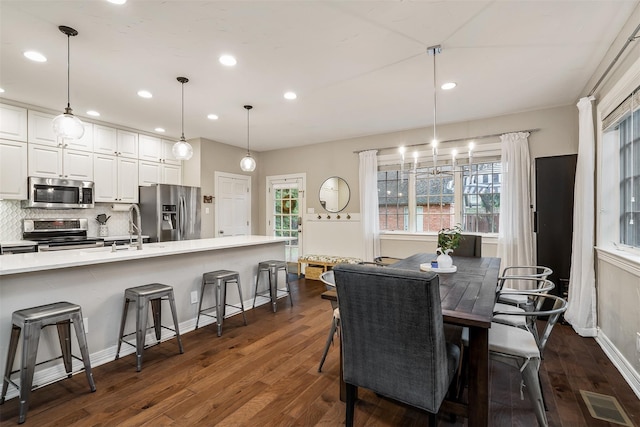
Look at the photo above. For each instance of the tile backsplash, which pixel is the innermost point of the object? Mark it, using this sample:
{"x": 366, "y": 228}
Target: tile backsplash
{"x": 12, "y": 214}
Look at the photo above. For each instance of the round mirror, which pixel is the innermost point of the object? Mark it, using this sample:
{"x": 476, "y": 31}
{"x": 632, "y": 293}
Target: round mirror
{"x": 334, "y": 194}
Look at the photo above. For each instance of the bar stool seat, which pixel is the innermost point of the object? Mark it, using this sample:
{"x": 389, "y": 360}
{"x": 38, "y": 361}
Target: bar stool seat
{"x": 153, "y": 293}
{"x": 31, "y": 321}
{"x": 220, "y": 278}
{"x": 272, "y": 267}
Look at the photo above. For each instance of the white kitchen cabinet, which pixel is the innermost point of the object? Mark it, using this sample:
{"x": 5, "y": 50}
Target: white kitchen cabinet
{"x": 13, "y": 123}
{"x": 159, "y": 173}
{"x": 83, "y": 144}
{"x": 167, "y": 153}
{"x": 115, "y": 142}
{"x": 171, "y": 174}
{"x": 54, "y": 162}
{"x": 13, "y": 169}
{"x": 149, "y": 173}
{"x": 149, "y": 148}
{"x": 115, "y": 179}
{"x": 41, "y": 129}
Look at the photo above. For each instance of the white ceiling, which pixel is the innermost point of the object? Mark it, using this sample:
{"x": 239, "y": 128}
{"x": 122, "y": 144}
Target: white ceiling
{"x": 358, "y": 67}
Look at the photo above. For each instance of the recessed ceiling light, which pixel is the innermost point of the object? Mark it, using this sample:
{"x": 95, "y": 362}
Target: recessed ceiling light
{"x": 93, "y": 113}
{"x": 212, "y": 117}
{"x": 290, "y": 95}
{"x": 35, "y": 56}
{"x": 1, "y": 90}
{"x": 161, "y": 130}
{"x": 117, "y": 1}
{"x": 144, "y": 94}
{"x": 228, "y": 60}
{"x": 448, "y": 85}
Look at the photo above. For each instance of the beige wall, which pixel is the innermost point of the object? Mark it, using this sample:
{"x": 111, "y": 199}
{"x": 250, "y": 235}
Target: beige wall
{"x": 557, "y": 136}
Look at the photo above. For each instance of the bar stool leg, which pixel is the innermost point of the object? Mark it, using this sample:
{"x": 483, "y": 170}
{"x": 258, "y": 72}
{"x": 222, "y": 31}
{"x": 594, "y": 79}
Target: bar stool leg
{"x": 64, "y": 336}
{"x": 156, "y": 313}
{"x": 78, "y": 324}
{"x": 31, "y": 338}
{"x": 273, "y": 287}
{"x": 122, "y": 322}
{"x": 142, "y": 313}
{"x": 219, "y": 303}
{"x": 255, "y": 294}
{"x": 241, "y": 301}
{"x": 200, "y": 303}
{"x": 11, "y": 356}
{"x": 172, "y": 304}
{"x": 286, "y": 274}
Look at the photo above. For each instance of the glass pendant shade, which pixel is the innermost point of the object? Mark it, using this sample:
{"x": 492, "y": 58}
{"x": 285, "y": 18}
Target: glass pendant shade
{"x": 182, "y": 150}
{"x": 248, "y": 163}
{"x": 68, "y": 126}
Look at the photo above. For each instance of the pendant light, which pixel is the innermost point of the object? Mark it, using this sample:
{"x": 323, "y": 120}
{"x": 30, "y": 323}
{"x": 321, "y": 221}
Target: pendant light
{"x": 433, "y": 51}
{"x": 66, "y": 125}
{"x": 248, "y": 163}
{"x": 182, "y": 150}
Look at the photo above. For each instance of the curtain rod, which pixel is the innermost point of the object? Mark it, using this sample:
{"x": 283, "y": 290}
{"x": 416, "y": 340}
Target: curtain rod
{"x": 493, "y": 135}
{"x": 631, "y": 38}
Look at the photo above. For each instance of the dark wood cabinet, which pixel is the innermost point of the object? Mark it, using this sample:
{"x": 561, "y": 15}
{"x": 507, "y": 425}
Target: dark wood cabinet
{"x": 554, "y": 178}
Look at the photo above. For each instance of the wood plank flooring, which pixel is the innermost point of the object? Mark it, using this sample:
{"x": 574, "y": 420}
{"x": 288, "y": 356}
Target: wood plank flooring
{"x": 265, "y": 374}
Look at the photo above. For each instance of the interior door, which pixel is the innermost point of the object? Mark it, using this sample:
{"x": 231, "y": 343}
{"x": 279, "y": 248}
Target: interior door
{"x": 233, "y": 205}
{"x": 286, "y": 206}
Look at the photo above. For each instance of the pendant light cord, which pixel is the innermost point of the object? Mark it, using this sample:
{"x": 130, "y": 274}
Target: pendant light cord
{"x": 435, "y": 104}
{"x": 182, "y": 138}
{"x": 68, "y": 71}
{"x": 248, "y": 150}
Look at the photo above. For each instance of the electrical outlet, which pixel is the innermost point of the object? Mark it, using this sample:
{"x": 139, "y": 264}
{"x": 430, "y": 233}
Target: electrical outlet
{"x": 194, "y": 297}
{"x": 86, "y": 324}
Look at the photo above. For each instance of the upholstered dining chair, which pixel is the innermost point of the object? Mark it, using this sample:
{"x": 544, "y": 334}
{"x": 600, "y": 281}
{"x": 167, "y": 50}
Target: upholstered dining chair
{"x": 393, "y": 340}
{"x": 470, "y": 245}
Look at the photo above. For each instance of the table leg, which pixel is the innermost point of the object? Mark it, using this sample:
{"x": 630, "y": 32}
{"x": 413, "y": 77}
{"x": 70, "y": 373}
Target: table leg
{"x": 478, "y": 376}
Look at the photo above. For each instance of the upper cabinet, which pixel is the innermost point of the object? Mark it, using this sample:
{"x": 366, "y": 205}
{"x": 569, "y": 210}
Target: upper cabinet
{"x": 41, "y": 132}
{"x": 167, "y": 153}
{"x": 13, "y": 123}
{"x": 115, "y": 142}
{"x": 13, "y": 170}
{"x": 149, "y": 148}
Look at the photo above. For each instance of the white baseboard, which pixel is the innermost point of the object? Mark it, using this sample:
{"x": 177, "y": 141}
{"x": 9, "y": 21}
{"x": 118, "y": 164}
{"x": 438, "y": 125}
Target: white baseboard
{"x": 620, "y": 362}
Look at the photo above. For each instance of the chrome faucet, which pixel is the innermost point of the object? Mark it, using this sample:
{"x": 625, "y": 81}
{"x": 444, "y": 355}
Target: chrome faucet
{"x": 133, "y": 227}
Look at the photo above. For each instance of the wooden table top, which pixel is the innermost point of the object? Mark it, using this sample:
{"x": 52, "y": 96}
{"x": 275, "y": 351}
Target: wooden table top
{"x": 468, "y": 295}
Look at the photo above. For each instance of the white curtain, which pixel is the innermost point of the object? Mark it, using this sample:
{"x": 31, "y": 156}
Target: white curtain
{"x": 581, "y": 312}
{"x": 515, "y": 241}
{"x": 369, "y": 203}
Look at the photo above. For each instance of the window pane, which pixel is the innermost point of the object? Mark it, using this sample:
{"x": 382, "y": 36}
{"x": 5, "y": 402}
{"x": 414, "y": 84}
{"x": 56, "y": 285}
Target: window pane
{"x": 481, "y": 197}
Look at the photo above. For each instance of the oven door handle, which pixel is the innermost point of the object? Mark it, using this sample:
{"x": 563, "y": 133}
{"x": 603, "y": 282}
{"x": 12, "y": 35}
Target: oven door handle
{"x": 48, "y": 248}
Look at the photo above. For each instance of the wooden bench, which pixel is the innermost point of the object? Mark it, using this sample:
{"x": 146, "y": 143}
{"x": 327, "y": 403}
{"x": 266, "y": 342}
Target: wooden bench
{"x": 318, "y": 264}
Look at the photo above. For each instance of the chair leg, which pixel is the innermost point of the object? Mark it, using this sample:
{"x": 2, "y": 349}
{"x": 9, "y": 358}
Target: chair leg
{"x": 78, "y": 324}
{"x": 30, "y": 341}
{"x": 220, "y": 301}
{"x": 244, "y": 317}
{"x": 286, "y": 275}
{"x": 11, "y": 356}
{"x": 200, "y": 302}
{"x": 142, "y": 313}
{"x": 273, "y": 288}
{"x": 64, "y": 336}
{"x": 156, "y": 314}
{"x": 433, "y": 420}
{"x": 352, "y": 393}
{"x": 174, "y": 315}
{"x": 532, "y": 382}
{"x": 332, "y": 331}
{"x": 122, "y": 322}
{"x": 255, "y": 293}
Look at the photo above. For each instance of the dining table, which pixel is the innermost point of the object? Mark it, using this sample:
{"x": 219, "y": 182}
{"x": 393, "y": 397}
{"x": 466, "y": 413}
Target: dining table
{"x": 467, "y": 297}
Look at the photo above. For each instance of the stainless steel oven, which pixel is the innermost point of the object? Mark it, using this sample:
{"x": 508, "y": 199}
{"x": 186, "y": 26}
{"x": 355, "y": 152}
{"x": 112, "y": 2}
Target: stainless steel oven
{"x": 59, "y": 234}
{"x": 53, "y": 193}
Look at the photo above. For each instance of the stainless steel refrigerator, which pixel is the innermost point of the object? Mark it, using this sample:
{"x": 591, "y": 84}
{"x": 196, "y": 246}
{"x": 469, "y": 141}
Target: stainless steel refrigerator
{"x": 170, "y": 212}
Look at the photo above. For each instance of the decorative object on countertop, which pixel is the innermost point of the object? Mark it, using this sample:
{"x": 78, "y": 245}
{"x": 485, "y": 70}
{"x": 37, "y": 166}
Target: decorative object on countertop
{"x": 182, "y": 150}
{"x": 248, "y": 163}
{"x": 103, "y": 229}
{"x": 448, "y": 240}
{"x": 66, "y": 125}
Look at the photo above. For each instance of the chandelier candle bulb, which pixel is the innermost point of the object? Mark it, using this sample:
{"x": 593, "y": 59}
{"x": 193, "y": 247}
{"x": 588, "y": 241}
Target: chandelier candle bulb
{"x": 453, "y": 158}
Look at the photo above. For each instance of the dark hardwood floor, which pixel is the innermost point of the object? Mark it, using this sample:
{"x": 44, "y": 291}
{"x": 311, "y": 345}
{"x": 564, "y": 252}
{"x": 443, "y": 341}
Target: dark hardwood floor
{"x": 265, "y": 374}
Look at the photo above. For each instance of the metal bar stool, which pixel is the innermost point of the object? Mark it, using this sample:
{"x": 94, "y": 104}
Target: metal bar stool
{"x": 272, "y": 267}
{"x": 31, "y": 321}
{"x": 220, "y": 278}
{"x": 154, "y": 293}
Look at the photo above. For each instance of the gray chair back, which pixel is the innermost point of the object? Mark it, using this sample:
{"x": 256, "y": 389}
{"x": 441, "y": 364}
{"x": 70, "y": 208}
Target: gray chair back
{"x": 470, "y": 245}
{"x": 393, "y": 338}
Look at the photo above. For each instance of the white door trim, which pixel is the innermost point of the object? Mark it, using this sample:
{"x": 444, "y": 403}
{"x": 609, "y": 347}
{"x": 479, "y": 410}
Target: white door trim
{"x": 270, "y": 180}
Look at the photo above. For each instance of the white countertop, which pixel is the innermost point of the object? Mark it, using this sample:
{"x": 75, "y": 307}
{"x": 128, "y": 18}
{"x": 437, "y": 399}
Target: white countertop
{"x": 29, "y": 262}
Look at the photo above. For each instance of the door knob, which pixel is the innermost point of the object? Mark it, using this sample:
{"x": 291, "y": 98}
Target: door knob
{"x": 221, "y": 231}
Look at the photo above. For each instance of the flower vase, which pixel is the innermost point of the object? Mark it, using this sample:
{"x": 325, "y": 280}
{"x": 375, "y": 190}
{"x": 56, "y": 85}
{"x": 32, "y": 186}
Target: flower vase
{"x": 444, "y": 259}
{"x": 103, "y": 230}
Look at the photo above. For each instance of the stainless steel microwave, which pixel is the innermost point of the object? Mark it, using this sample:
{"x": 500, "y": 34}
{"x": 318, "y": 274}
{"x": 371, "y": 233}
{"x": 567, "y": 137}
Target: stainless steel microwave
{"x": 54, "y": 193}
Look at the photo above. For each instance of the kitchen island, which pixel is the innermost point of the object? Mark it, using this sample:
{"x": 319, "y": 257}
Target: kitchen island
{"x": 96, "y": 279}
